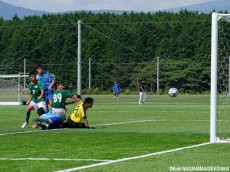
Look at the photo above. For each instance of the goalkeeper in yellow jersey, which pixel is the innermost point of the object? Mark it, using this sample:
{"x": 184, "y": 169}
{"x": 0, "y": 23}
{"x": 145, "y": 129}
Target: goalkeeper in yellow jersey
{"x": 78, "y": 118}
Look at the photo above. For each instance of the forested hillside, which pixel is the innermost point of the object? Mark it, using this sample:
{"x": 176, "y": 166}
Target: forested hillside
{"x": 122, "y": 47}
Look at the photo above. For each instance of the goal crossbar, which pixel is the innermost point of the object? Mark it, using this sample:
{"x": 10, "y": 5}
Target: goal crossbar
{"x": 13, "y": 76}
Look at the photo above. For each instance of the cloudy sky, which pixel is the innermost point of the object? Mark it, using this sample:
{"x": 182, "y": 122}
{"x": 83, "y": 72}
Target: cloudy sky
{"x": 71, "y": 5}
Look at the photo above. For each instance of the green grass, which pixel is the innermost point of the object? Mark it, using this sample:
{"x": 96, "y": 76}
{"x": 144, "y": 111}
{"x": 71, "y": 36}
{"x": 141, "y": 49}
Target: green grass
{"x": 123, "y": 129}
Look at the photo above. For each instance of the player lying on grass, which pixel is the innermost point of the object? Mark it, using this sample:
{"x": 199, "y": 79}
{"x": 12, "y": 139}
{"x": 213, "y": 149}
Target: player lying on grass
{"x": 79, "y": 115}
{"x": 59, "y": 98}
{"x": 52, "y": 121}
{"x": 36, "y": 99}
{"x": 47, "y": 81}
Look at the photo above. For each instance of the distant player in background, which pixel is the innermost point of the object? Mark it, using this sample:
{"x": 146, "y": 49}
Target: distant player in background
{"x": 48, "y": 81}
{"x": 52, "y": 121}
{"x": 36, "y": 99}
{"x": 116, "y": 89}
{"x": 142, "y": 93}
{"x": 79, "y": 114}
{"x": 70, "y": 87}
{"x": 59, "y": 100}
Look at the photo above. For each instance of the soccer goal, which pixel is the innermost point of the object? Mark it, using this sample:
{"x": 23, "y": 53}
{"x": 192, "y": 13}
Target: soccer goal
{"x": 220, "y": 79}
{"x": 12, "y": 89}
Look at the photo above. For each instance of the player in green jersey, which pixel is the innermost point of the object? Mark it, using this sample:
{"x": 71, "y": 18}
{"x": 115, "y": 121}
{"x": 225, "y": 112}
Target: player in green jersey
{"x": 59, "y": 97}
{"x": 36, "y": 99}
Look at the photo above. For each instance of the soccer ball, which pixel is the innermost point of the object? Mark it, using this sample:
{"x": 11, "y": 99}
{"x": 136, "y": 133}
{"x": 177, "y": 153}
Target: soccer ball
{"x": 173, "y": 92}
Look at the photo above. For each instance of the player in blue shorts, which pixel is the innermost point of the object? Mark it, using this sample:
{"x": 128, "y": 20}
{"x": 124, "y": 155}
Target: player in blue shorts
{"x": 48, "y": 82}
{"x": 52, "y": 121}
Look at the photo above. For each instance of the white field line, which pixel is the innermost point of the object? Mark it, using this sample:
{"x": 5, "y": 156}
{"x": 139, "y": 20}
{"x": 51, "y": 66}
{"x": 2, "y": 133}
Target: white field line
{"x": 119, "y": 123}
{"x": 132, "y": 158}
{"x": 23, "y": 132}
{"x": 131, "y": 122}
{"x": 128, "y": 122}
{"x": 51, "y": 159}
{"x": 135, "y": 111}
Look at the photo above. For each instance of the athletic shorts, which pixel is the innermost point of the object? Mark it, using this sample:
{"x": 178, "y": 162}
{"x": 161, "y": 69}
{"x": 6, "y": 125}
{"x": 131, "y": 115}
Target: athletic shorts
{"x": 60, "y": 112}
{"x": 48, "y": 94}
{"x": 142, "y": 94}
{"x": 56, "y": 123}
{"x": 38, "y": 105}
{"x": 71, "y": 124}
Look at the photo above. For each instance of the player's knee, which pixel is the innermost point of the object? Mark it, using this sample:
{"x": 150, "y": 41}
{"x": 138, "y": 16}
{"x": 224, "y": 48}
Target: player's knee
{"x": 30, "y": 108}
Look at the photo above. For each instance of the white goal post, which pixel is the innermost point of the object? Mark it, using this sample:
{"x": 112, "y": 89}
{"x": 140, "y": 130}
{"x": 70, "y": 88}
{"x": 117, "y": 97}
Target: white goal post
{"x": 215, "y": 57}
{"x": 10, "y": 86}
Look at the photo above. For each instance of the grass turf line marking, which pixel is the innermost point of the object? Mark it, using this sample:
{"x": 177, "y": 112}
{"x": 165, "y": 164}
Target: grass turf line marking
{"x": 24, "y": 132}
{"x": 119, "y": 123}
{"x": 132, "y": 158}
{"x": 130, "y": 122}
{"x": 51, "y": 159}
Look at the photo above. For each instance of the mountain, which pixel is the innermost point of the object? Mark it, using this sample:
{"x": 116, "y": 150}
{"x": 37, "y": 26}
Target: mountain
{"x": 7, "y": 11}
{"x": 205, "y": 7}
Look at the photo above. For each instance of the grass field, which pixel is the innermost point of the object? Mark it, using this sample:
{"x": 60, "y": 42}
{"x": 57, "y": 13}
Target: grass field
{"x": 127, "y": 137}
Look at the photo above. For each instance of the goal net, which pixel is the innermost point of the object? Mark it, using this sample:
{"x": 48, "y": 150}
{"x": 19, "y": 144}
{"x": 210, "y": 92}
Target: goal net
{"x": 220, "y": 79}
{"x": 12, "y": 89}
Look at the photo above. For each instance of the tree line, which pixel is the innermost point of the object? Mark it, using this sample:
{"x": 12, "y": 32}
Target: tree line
{"x": 122, "y": 47}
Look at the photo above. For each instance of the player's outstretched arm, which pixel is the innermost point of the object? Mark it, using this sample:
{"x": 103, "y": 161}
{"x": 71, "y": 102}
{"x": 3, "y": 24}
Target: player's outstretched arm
{"x": 76, "y": 98}
{"x": 72, "y": 102}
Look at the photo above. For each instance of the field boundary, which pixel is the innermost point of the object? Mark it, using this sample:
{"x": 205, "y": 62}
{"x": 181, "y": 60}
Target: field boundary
{"x": 132, "y": 158}
{"x": 117, "y": 123}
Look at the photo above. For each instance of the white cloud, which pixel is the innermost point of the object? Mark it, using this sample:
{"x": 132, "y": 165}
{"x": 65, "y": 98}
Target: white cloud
{"x": 71, "y": 5}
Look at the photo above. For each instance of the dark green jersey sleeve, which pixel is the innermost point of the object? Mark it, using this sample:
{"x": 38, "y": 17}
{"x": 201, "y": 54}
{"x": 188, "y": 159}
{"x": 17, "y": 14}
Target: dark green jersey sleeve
{"x": 68, "y": 93}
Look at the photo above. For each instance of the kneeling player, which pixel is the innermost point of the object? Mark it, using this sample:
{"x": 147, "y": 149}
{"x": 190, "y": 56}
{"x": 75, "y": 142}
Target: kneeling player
{"x": 52, "y": 121}
{"x": 76, "y": 118}
{"x": 59, "y": 98}
{"x": 36, "y": 99}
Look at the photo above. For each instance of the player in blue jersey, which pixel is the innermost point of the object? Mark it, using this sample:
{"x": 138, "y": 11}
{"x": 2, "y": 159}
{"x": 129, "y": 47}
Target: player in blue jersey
{"x": 116, "y": 89}
{"x": 52, "y": 121}
{"x": 47, "y": 81}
